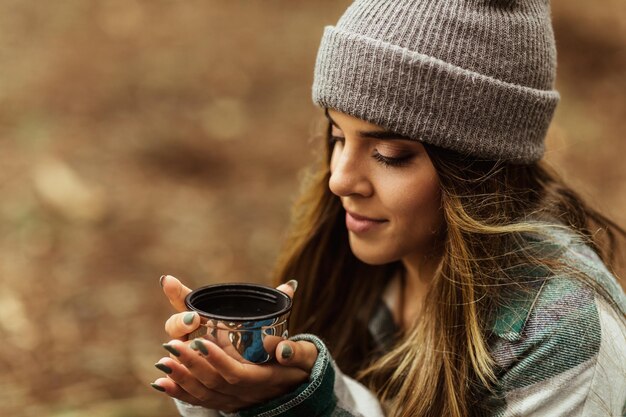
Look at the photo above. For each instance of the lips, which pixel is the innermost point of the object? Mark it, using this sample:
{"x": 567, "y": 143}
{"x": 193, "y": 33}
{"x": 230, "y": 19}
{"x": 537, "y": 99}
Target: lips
{"x": 357, "y": 223}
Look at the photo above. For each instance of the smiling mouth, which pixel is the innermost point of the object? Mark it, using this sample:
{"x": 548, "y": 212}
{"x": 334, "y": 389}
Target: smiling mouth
{"x": 361, "y": 224}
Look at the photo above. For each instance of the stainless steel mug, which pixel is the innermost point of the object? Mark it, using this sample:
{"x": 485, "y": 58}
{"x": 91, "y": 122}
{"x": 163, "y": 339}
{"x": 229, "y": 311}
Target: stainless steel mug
{"x": 246, "y": 320}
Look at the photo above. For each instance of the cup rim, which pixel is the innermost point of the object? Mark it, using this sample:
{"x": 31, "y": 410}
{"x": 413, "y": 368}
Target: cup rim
{"x": 239, "y": 286}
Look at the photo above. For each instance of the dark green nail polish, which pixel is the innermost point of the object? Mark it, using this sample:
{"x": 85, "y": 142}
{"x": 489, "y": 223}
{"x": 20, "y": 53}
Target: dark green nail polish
{"x": 163, "y": 368}
{"x": 198, "y": 345}
{"x": 157, "y": 387}
{"x": 188, "y": 318}
{"x": 171, "y": 349}
{"x": 286, "y": 351}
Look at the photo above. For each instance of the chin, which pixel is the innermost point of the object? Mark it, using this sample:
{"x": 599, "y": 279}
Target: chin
{"x": 371, "y": 254}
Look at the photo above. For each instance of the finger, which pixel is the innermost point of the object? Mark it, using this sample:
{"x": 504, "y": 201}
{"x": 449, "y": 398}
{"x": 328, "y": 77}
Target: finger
{"x": 270, "y": 343}
{"x": 199, "y": 368}
{"x": 239, "y": 374}
{"x": 288, "y": 287}
{"x": 172, "y": 389}
{"x": 242, "y": 380}
{"x": 181, "y": 324}
{"x": 181, "y": 375}
{"x": 202, "y": 390}
{"x": 217, "y": 402}
{"x": 230, "y": 369}
{"x": 300, "y": 354}
{"x": 175, "y": 292}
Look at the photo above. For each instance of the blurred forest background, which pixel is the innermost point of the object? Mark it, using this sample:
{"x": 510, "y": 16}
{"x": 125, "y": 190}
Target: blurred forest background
{"x": 139, "y": 138}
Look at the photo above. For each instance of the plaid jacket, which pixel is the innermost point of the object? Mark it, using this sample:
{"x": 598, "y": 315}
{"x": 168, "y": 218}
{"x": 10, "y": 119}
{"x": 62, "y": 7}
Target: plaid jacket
{"x": 560, "y": 351}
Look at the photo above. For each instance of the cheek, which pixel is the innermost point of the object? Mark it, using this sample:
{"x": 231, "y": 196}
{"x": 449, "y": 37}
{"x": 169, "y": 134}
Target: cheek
{"x": 419, "y": 205}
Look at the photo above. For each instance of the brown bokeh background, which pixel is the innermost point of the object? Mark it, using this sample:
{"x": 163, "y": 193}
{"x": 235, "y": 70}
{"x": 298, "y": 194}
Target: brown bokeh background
{"x": 139, "y": 138}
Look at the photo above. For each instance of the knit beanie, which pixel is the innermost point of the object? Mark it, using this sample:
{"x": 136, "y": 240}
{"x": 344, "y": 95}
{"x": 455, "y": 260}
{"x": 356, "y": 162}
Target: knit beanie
{"x": 473, "y": 76}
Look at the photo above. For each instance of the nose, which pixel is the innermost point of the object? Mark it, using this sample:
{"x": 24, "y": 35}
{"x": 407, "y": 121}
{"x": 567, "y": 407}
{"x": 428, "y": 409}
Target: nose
{"x": 348, "y": 173}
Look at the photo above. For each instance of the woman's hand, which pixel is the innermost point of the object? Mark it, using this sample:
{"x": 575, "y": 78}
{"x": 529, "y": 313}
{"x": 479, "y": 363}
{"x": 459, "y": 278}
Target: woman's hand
{"x": 201, "y": 373}
{"x": 184, "y": 322}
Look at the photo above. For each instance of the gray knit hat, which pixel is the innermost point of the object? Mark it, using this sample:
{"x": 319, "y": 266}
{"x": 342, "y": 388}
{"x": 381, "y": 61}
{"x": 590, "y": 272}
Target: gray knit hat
{"x": 474, "y": 76}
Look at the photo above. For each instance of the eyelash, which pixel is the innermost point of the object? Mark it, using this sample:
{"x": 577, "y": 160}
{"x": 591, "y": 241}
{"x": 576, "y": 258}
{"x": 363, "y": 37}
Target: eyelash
{"x": 391, "y": 162}
{"x": 384, "y": 160}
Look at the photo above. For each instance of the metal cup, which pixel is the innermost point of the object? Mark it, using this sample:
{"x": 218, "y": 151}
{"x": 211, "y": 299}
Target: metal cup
{"x": 246, "y": 320}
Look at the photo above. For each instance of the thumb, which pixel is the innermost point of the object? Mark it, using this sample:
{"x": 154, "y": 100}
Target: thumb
{"x": 175, "y": 292}
{"x": 288, "y": 287}
{"x": 300, "y": 354}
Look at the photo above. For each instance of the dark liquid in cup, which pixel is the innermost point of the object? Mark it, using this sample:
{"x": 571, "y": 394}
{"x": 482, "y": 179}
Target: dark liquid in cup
{"x": 235, "y": 306}
{"x": 239, "y": 301}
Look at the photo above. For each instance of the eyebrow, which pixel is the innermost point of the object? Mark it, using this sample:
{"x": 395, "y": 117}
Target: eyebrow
{"x": 374, "y": 134}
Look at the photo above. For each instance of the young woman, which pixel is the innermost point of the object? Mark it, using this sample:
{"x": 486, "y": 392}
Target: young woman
{"x": 443, "y": 269}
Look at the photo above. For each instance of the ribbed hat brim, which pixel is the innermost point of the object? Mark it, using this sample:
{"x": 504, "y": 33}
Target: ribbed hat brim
{"x": 431, "y": 100}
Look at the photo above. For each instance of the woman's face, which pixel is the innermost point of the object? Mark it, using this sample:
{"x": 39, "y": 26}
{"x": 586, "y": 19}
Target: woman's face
{"x": 389, "y": 189}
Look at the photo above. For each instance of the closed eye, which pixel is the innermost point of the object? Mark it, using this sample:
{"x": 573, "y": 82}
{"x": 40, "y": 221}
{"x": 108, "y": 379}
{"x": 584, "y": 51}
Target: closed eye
{"x": 392, "y": 161}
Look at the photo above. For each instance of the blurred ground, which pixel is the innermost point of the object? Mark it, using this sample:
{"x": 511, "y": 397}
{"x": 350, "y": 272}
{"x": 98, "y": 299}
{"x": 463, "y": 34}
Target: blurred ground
{"x": 146, "y": 137}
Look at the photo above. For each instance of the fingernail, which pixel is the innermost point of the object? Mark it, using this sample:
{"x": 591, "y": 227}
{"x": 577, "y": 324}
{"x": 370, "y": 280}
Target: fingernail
{"x": 157, "y": 387}
{"x": 188, "y": 318}
{"x": 286, "y": 351}
{"x": 161, "y": 280}
{"x": 198, "y": 345}
{"x": 293, "y": 284}
{"x": 171, "y": 349}
{"x": 163, "y": 368}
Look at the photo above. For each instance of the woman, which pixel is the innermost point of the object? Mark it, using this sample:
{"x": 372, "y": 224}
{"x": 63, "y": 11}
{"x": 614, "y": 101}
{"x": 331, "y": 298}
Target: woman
{"x": 440, "y": 263}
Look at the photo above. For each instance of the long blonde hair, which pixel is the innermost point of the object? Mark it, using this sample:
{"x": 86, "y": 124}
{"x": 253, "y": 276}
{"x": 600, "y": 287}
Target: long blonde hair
{"x": 441, "y": 366}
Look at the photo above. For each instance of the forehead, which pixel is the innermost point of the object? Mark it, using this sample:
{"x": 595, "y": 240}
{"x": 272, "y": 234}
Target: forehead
{"x": 362, "y": 128}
